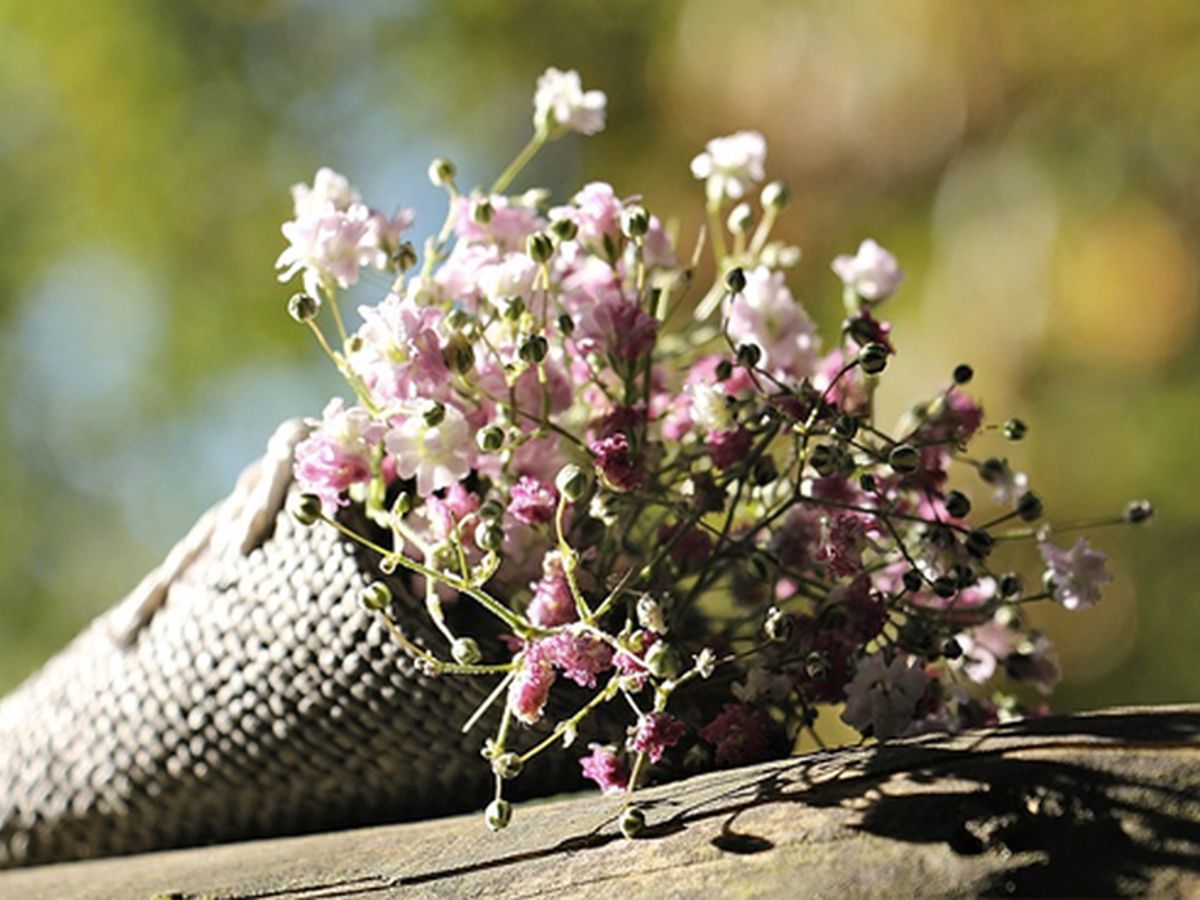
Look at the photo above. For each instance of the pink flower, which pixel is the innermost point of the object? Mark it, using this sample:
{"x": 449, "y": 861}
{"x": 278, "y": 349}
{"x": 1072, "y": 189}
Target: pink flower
{"x": 532, "y": 502}
{"x": 329, "y": 249}
{"x": 1076, "y": 574}
{"x": 655, "y": 733}
{"x": 629, "y": 666}
{"x": 510, "y": 224}
{"x": 729, "y": 447}
{"x": 581, "y": 657}
{"x": 552, "y": 602}
{"x": 617, "y": 328}
{"x": 597, "y": 214}
{"x": 399, "y": 353}
{"x": 437, "y": 455}
{"x": 691, "y": 550}
{"x": 604, "y": 767}
{"x": 872, "y": 273}
{"x": 445, "y": 513}
{"x": 741, "y": 733}
{"x": 766, "y": 314}
{"x": 612, "y": 457}
{"x": 530, "y": 687}
{"x": 842, "y": 549}
{"x": 337, "y": 454}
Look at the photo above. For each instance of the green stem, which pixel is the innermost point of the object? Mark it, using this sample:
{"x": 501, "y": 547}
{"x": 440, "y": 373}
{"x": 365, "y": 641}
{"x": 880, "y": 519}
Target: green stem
{"x": 528, "y": 152}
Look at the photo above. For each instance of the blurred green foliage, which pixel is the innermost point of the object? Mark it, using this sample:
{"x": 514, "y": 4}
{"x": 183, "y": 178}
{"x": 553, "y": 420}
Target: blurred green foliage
{"x": 1033, "y": 164}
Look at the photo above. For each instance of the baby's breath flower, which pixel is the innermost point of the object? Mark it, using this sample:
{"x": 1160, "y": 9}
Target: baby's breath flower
{"x": 731, "y": 165}
{"x": 872, "y": 273}
{"x": 560, "y": 102}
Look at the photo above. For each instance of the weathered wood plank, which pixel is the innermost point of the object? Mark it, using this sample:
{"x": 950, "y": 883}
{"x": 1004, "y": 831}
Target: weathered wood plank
{"x": 1096, "y": 804}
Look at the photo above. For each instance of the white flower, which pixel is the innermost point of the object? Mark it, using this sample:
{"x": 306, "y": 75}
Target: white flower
{"x": 882, "y": 696}
{"x": 513, "y": 276}
{"x": 709, "y": 410}
{"x": 766, "y": 314}
{"x": 328, "y": 248}
{"x": 561, "y": 102}
{"x": 330, "y": 192}
{"x": 1075, "y": 574}
{"x": 731, "y": 165}
{"x": 437, "y": 455}
{"x": 872, "y": 273}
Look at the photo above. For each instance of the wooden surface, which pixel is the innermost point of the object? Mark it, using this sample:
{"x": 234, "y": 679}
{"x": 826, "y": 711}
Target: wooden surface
{"x": 1092, "y": 805}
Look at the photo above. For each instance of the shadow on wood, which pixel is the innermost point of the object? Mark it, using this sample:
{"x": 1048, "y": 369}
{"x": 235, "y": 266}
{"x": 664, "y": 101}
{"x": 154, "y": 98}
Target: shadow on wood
{"x": 1092, "y": 805}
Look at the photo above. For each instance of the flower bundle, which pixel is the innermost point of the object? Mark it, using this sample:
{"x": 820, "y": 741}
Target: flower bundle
{"x": 680, "y": 505}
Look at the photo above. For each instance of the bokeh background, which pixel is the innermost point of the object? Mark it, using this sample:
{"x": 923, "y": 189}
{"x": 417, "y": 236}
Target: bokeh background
{"x": 1035, "y": 165}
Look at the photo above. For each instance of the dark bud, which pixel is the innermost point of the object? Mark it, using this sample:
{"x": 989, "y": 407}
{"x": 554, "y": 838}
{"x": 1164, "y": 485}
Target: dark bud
{"x": 307, "y": 509}
{"x": 507, "y": 766}
{"x": 489, "y": 536}
{"x": 492, "y": 509}
{"x": 735, "y": 281}
{"x": 498, "y": 814}
{"x": 534, "y": 350}
{"x": 823, "y": 459}
{"x": 405, "y": 256}
{"x": 904, "y": 459}
{"x": 539, "y": 247}
{"x": 952, "y": 649}
{"x": 566, "y": 325}
{"x": 1015, "y": 429}
{"x": 635, "y": 222}
{"x": 513, "y": 308}
{"x": 491, "y": 439}
{"x": 963, "y": 374}
{"x": 441, "y": 172}
{"x": 564, "y": 229}
{"x": 913, "y": 580}
{"x": 724, "y": 370}
{"x": 633, "y": 822}
{"x": 1029, "y": 507}
{"x": 846, "y": 426}
{"x": 1010, "y": 584}
{"x": 993, "y": 470}
{"x": 459, "y": 354}
{"x": 979, "y": 544}
{"x": 964, "y": 576}
{"x": 435, "y": 415}
{"x": 303, "y": 307}
{"x": 957, "y": 504}
{"x": 775, "y": 195}
{"x": 765, "y": 471}
{"x": 482, "y": 210}
{"x": 945, "y": 587}
{"x": 748, "y": 355}
{"x": 777, "y": 626}
{"x": 1139, "y": 511}
{"x": 868, "y": 483}
{"x": 873, "y": 358}
{"x": 816, "y": 666}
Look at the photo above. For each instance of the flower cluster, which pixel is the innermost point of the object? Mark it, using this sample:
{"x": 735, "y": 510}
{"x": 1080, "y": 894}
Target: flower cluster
{"x": 680, "y": 512}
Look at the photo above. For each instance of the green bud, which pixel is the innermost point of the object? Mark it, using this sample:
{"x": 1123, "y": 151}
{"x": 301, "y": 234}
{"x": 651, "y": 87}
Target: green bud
{"x": 741, "y": 218}
{"x": 904, "y": 459}
{"x": 513, "y": 308}
{"x": 441, "y": 172}
{"x": 498, "y": 814}
{"x": 873, "y": 358}
{"x": 777, "y": 626}
{"x": 963, "y": 374}
{"x": 375, "y": 596}
{"x": 539, "y": 247}
{"x": 571, "y": 482}
{"x": 564, "y": 229}
{"x": 458, "y": 319}
{"x": 846, "y": 426}
{"x": 824, "y": 459}
{"x": 635, "y": 222}
{"x": 404, "y": 257}
{"x": 748, "y": 355}
{"x": 306, "y": 509}
{"x": 459, "y": 354}
{"x": 1139, "y": 511}
{"x": 979, "y": 544}
{"x": 491, "y": 439}
{"x": 566, "y": 325}
{"x": 1015, "y": 429}
{"x": 735, "y": 281}
{"x": 633, "y": 822}
{"x": 465, "y": 651}
{"x": 303, "y": 307}
{"x": 1030, "y": 507}
{"x": 534, "y": 350}
{"x": 957, "y": 504}
{"x": 663, "y": 660}
{"x": 489, "y": 536}
{"x": 435, "y": 415}
{"x": 507, "y": 766}
{"x": 491, "y": 510}
{"x": 482, "y": 210}
{"x": 775, "y": 195}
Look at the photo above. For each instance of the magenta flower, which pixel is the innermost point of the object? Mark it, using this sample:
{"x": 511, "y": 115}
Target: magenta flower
{"x": 741, "y": 734}
{"x": 445, "y": 513}
{"x": 605, "y": 767}
{"x": 655, "y": 733}
{"x": 532, "y": 502}
{"x": 581, "y": 657}
{"x": 729, "y": 447}
{"x": 617, "y": 328}
{"x": 612, "y": 457}
{"x": 337, "y": 454}
{"x": 530, "y": 688}
{"x": 845, "y": 541}
{"x": 552, "y": 602}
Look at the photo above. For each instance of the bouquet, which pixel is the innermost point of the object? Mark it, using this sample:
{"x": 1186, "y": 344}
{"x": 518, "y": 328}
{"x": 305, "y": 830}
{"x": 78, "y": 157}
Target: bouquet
{"x": 673, "y": 500}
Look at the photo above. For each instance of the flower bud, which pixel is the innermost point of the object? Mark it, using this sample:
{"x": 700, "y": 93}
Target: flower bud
{"x": 1015, "y": 429}
{"x": 534, "y": 350}
{"x": 957, "y": 504}
{"x": 566, "y": 325}
{"x": 539, "y": 247}
{"x": 571, "y": 482}
{"x": 735, "y": 281}
{"x": 1030, "y": 507}
{"x": 1139, "y": 511}
{"x": 1010, "y": 584}
{"x": 489, "y": 536}
{"x": 498, "y": 814}
{"x": 963, "y": 374}
{"x": 635, "y": 222}
{"x": 435, "y": 414}
{"x": 775, "y": 195}
{"x": 512, "y": 308}
{"x": 868, "y": 483}
{"x": 507, "y": 766}
{"x": 457, "y": 319}
{"x": 952, "y": 649}
{"x": 724, "y": 370}
{"x": 491, "y": 510}
{"x": 873, "y": 358}
{"x": 846, "y": 426}
{"x": 633, "y": 822}
{"x": 765, "y": 471}
{"x": 979, "y": 544}
{"x": 777, "y": 626}
{"x": 663, "y": 660}
{"x": 816, "y": 666}
{"x": 904, "y": 459}
{"x": 441, "y": 172}
{"x": 491, "y": 439}
{"x": 303, "y": 307}
{"x": 741, "y": 218}
{"x": 404, "y": 257}
{"x": 993, "y": 470}
{"x": 650, "y": 614}
{"x": 945, "y": 587}
{"x": 824, "y": 459}
{"x": 748, "y": 355}
{"x": 912, "y": 580}
{"x": 465, "y": 651}
{"x": 482, "y": 210}
{"x": 375, "y": 596}
{"x": 459, "y": 354}
{"x": 306, "y": 509}
{"x": 564, "y": 229}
